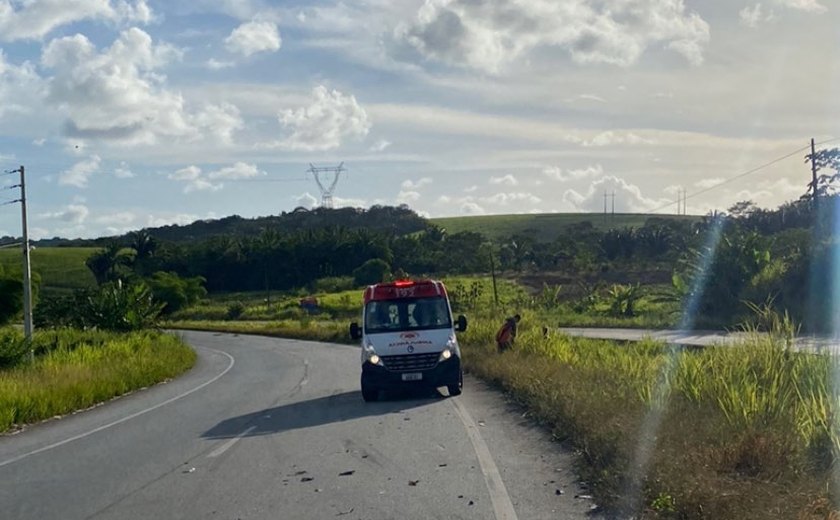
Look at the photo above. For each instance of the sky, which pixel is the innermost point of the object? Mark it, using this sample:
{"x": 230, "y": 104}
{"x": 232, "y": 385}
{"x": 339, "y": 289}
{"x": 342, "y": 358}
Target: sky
{"x": 137, "y": 113}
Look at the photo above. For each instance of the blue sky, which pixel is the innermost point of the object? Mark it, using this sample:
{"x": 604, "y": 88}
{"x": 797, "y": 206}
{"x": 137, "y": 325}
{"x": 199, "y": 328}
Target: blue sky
{"x": 132, "y": 113}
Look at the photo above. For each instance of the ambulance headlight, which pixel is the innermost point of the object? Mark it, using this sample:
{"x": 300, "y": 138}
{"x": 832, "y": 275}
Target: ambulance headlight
{"x": 374, "y": 359}
{"x": 446, "y": 354}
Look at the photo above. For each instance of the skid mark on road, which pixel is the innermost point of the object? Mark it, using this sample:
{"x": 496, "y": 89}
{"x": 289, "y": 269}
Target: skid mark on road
{"x": 502, "y": 506}
{"x": 128, "y": 417}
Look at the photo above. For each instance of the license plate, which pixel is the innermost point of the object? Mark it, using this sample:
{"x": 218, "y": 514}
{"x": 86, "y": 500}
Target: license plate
{"x": 412, "y": 377}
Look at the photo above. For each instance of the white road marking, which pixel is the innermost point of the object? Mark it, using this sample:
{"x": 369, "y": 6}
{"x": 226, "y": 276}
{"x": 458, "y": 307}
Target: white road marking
{"x": 502, "y": 506}
{"x": 124, "y": 419}
{"x": 229, "y": 444}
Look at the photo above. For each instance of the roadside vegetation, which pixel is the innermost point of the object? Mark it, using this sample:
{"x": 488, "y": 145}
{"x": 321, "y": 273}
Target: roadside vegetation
{"x": 76, "y": 369}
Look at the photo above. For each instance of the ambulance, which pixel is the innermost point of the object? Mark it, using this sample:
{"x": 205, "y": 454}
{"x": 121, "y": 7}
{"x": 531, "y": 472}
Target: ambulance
{"x": 408, "y": 338}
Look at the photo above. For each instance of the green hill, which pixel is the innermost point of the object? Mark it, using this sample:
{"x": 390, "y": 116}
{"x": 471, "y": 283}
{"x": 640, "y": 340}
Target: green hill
{"x": 544, "y": 226}
{"x": 59, "y": 267}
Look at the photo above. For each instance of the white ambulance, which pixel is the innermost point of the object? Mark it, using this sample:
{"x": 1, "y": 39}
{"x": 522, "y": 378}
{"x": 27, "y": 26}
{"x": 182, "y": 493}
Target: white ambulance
{"x": 408, "y": 338}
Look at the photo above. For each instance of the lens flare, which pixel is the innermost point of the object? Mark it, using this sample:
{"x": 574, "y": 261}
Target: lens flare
{"x": 662, "y": 389}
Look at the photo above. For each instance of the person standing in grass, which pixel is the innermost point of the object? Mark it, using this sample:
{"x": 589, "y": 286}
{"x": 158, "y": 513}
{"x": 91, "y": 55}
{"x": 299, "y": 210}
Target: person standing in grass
{"x": 507, "y": 334}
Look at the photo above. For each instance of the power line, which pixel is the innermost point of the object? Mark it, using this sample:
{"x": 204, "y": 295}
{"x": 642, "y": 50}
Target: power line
{"x": 745, "y": 174}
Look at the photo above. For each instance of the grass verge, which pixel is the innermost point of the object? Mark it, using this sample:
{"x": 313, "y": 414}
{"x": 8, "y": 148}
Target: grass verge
{"x": 76, "y": 370}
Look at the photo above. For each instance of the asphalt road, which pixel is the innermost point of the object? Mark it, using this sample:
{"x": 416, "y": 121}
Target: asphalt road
{"x": 271, "y": 428}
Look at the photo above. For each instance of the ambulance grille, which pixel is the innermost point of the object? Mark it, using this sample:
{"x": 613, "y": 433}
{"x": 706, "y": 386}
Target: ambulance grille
{"x": 411, "y": 362}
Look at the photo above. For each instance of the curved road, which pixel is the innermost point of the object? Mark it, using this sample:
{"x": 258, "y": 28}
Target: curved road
{"x": 272, "y": 428}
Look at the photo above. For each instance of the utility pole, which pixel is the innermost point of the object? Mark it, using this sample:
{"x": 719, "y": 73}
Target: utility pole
{"x": 605, "y": 207}
{"x": 813, "y": 174}
{"x": 613, "y": 203}
{"x": 27, "y": 269}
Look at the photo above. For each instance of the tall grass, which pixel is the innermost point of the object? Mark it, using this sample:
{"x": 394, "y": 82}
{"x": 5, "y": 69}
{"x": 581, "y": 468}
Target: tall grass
{"x": 78, "y": 369}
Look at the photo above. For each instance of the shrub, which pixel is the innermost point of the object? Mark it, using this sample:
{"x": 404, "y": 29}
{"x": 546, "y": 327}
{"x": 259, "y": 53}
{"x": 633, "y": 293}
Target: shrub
{"x": 174, "y": 292}
{"x": 112, "y": 306}
{"x": 13, "y": 347}
{"x": 235, "y": 310}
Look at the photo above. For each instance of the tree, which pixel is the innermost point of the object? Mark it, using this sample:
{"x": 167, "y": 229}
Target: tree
{"x": 373, "y": 271}
{"x": 743, "y": 208}
{"x": 175, "y": 292}
{"x": 11, "y": 296}
{"x": 104, "y": 264}
{"x": 823, "y": 159}
{"x": 144, "y": 246}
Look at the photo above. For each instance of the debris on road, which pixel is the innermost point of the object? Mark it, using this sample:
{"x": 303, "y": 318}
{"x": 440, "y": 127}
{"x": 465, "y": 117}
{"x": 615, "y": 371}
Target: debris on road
{"x": 584, "y": 497}
{"x": 307, "y": 479}
{"x": 413, "y": 482}
{"x": 558, "y": 492}
{"x": 346, "y": 473}
{"x": 191, "y": 470}
{"x": 342, "y": 513}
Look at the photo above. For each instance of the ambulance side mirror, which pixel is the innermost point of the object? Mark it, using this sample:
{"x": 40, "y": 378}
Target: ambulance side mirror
{"x": 355, "y": 331}
{"x": 461, "y": 323}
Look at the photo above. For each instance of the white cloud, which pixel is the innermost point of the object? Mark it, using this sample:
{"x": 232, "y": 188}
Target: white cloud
{"x": 628, "y": 197}
{"x": 32, "y": 20}
{"x": 559, "y": 174}
{"x": 325, "y": 122}
{"x": 470, "y": 189}
{"x": 195, "y": 181}
{"x": 239, "y": 170}
{"x": 610, "y": 137}
{"x": 751, "y": 16}
{"x": 813, "y": 6}
{"x": 407, "y": 196}
{"x": 306, "y": 200}
{"x": 504, "y": 199}
{"x": 253, "y": 37}
{"x": 123, "y": 171}
{"x": 214, "y": 64}
{"x": 380, "y": 145}
{"x": 39, "y": 142}
{"x": 471, "y": 208}
{"x": 490, "y": 34}
{"x": 116, "y": 220}
{"x": 117, "y": 94}
{"x": 75, "y": 213}
{"x": 508, "y": 180}
{"x": 708, "y": 183}
{"x": 80, "y": 173}
{"x": 408, "y": 184}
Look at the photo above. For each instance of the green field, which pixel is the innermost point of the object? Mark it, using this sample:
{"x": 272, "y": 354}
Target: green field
{"x": 59, "y": 267}
{"x": 544, "y": 226}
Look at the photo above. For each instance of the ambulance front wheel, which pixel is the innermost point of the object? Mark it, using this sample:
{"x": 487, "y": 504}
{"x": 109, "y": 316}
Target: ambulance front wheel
{"x": 369, "y": 393}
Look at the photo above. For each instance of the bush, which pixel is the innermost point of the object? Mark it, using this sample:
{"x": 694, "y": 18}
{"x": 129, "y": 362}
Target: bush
{"x": 113, "y": 306}
{"x": 373, "y": 271}
{"x": 13, "y": 347}
{"x": 235, "y": 310}
{"x": 11, "y": 294}
{"x": 174, "y": 292}
{"x": 11, "y": 297}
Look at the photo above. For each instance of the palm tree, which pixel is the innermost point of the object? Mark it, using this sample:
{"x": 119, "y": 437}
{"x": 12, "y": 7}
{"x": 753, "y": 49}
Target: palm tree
{"x": 104, "y": 263}
{"x": 144, "y": 246}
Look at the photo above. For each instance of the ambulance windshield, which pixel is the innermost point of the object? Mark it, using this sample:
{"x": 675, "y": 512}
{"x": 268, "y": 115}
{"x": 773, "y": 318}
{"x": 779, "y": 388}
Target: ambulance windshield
{"x": 407, "y": 314}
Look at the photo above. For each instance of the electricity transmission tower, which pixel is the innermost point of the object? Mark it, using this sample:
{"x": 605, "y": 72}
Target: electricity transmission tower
{"x": 326, "y": 186}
